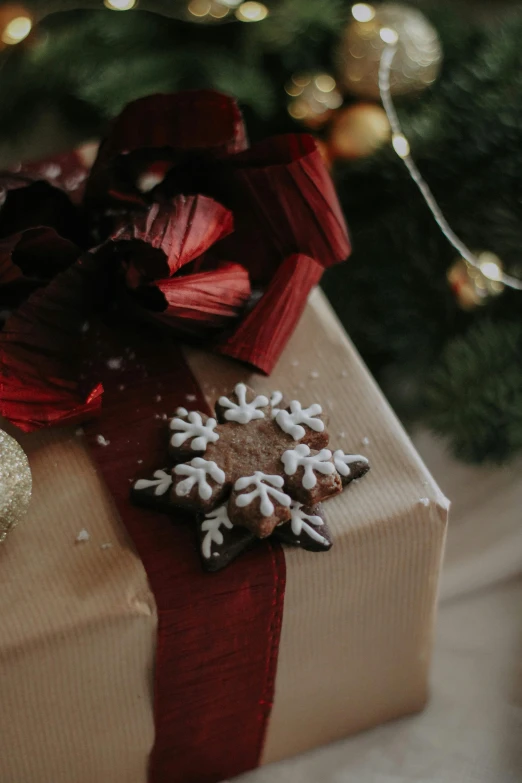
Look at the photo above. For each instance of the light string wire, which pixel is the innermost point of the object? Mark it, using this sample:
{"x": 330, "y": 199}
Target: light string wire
{"x": 387, "y": 102}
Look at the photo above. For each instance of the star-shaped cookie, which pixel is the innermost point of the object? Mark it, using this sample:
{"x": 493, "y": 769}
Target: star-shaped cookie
{"x": 259, "y": 468}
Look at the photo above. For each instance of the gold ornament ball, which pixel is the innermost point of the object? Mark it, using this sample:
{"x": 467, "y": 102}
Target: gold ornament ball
{"x": 15, "y": 483}
{"x": 358, "y": 131}
{"x": 417, "y": 60}
{"x": 313, "y": 98}
{"x": 474, "y": 287}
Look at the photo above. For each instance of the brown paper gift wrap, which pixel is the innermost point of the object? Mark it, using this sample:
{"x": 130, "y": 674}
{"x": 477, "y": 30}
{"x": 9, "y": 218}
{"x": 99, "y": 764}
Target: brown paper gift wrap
{"x": 78, "y": 620}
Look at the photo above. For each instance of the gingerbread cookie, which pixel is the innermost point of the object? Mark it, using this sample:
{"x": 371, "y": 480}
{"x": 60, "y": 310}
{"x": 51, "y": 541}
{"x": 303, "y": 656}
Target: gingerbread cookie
{"x": 260, "y": 467}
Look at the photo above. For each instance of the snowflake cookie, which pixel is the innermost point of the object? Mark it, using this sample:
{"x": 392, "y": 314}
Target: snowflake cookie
{"x": 258, "y": 468}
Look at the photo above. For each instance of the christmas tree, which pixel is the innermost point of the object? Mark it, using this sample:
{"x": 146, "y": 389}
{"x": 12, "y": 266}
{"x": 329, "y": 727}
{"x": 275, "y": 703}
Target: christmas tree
{"x": 445, "y": 350}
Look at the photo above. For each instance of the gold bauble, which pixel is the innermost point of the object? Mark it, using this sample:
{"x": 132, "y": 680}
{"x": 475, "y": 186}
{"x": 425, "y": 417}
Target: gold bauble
{"x": 313, "y": 98}
{"x": 15, "y": 483}
{"x": 417, "y": 60}
{"x": 474, "y": 286}
{"x": 357, "y": 131}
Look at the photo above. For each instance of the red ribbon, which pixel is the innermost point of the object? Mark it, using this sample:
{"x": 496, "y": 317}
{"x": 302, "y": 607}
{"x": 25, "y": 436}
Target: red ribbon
{"x": 218, "y": 634}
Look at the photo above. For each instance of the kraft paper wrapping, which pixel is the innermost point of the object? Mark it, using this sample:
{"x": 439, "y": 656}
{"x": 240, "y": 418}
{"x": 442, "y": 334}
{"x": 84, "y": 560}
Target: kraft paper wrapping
{"x": 78, "y": 619}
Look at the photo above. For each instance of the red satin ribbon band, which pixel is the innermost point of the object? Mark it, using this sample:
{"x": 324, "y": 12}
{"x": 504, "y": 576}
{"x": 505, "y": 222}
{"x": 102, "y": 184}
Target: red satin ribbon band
{"x": 218, "y": 634}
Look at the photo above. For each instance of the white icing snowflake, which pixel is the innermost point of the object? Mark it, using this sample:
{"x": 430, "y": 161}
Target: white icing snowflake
{"x": 275, "y": 399}
{"x": 162, "y": 481}
{"x": 265, "y": 487}
{"x": 196, "y": 472}
{"x": 343, "y": 461}
{"x": 243, "y": 411}
{"x": 213, "y": 521}
{"x": 300, "y": 457}
{"x": 291, "y": 421}
{"x": 301, "y": 521}
{"x": 193, "y": 428}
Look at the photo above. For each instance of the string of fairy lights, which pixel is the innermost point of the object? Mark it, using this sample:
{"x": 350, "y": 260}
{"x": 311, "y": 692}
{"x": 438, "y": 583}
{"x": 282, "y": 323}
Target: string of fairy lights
{"x": 485, "y": 269}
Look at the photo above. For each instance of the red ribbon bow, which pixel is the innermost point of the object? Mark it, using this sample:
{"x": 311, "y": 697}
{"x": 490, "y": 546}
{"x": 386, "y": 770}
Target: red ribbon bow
{"x": 191, "y": 230}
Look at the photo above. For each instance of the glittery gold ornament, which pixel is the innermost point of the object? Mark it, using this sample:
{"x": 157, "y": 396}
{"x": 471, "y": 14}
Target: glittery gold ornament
{"x": 416, "y": 63}
{"x": 475, "y": 286}
{"x": 15, "y": 483}
{"x": 357, "y": 131}
{"x": 313, "y": 98}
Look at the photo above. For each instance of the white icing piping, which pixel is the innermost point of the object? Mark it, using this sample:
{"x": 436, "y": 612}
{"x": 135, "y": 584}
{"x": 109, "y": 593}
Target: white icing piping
{"x": 200, "y": 434}
{"x": 299, "y": 457}
{"x": 302, "y": 522}
{"x": 196, "y": 472}
{"x": 343, "y": 461}
{"x": 211, "y": 526}
{"x": 162, "y": 481}
{"x": 291, "y": 421}
{"x": 263, "y": 491}
{"x": 243, "y": 412}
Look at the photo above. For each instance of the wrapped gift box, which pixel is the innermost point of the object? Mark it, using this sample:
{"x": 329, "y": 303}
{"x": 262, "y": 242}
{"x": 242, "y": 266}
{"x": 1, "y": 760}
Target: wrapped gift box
{"x": 79, "y": 620}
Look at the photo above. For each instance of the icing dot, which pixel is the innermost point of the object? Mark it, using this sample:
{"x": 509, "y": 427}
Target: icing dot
{"x": 190, "y": 397}
{"x": 115, "y": 363}
{"x": 101, "y": 441}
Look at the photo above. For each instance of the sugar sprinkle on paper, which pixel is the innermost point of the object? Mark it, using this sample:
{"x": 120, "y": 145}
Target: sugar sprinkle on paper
{"x": 101, "y": 441}
{"x": 341, "y": 434}
{"x": 344, "y": 374}
{"x": 190, "y": 397}
{"x": 158, "y": 397}
{"x": 314, "y": 374}
{"x": 115, "y": 363}
{"x": 424, "y": 501}
{"x": 105, "y": 546}
{"x": 365, "y": 441}
{"x": 83, "y": 535}
{"x": 295, "y": 363}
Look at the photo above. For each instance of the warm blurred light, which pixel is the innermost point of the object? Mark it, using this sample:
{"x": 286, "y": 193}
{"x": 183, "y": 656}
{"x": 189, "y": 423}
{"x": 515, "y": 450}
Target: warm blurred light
{"x": 251, "y": 12}
{"x": 199, "y": 8}
{"x": 325, "y": 83}
{"x": 389, "y": 36}
{"x": 362, "y": 12}
{"x": 400, "y": 145}
{"x": 218, "y": 11}
{"x": 17, "y": 29}
{"x": 490, "y": 266}
{"x": 120, "y": 5}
